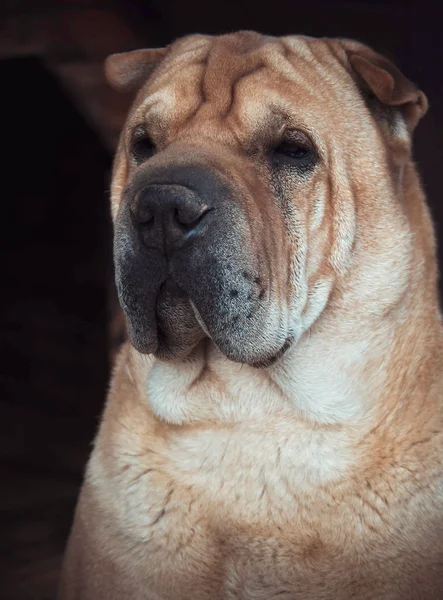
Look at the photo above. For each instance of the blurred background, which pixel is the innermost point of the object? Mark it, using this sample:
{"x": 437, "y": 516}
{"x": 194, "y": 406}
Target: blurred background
{"x": 59, "y": 321}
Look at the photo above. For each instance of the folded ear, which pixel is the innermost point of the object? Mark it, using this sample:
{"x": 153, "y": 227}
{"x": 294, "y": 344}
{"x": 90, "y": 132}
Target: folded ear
{"x": 127, "y": 71}
{"x": 381, "y": 78}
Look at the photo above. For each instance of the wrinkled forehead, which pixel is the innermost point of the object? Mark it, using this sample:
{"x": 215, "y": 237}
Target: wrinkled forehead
{"x": 257, "y": 81}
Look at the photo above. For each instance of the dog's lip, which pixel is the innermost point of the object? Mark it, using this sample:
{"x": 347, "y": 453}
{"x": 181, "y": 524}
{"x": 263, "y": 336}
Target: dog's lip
{"x": 268, "y": 362}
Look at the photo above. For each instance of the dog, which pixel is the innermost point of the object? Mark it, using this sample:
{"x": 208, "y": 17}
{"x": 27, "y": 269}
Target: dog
{"x": 274, "y": 425}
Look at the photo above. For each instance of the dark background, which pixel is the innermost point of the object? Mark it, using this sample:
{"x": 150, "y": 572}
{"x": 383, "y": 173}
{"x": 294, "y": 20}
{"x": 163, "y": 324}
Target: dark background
{"x": 59, "y": 323}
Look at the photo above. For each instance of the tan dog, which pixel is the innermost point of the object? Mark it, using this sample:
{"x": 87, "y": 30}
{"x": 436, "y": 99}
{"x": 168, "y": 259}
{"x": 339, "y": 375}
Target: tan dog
{"x": 275, "y": 254}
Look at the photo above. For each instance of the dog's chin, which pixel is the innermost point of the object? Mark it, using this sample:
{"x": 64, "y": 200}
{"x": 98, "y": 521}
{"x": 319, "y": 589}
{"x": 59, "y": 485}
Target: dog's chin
{"x": 178, "y": 331}
{"x": 178, "y": 328}
{"x": 163, "y": 346}
{"x": 169, "y": 348}
{"x": 173, "y": 345}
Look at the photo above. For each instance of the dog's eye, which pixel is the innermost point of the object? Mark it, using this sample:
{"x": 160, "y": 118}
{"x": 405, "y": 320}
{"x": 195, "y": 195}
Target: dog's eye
{"x": 142, "y": 149}
{"x": 292, "y": 150}
{"x": 295, "y": 149}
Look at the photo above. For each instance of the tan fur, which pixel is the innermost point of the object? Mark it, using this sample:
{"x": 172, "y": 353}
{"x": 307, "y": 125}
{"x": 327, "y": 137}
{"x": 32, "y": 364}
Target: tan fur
{"x": 320, "y": 476}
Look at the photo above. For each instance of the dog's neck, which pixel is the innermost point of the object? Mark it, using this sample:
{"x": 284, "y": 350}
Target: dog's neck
{"x": 324, "y": 380}
{"x": 356, "y": 365}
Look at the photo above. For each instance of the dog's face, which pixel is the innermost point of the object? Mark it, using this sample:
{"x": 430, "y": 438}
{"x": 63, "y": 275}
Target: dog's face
{"x": 243, "y": 172}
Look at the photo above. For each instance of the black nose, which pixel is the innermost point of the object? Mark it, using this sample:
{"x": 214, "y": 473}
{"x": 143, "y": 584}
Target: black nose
{"x": 169, "y": 214}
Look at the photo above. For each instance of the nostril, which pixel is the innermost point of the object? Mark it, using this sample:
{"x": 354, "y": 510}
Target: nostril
{"x": 190, "y": 222}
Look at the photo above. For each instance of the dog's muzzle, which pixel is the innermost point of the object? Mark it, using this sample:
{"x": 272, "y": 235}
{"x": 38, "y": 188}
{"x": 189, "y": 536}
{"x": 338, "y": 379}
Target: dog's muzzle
{"x": 188, "y": 265}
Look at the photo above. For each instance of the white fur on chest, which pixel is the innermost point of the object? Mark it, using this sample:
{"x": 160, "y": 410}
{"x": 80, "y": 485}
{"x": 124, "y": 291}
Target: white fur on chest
{"x": 243, "y": 473}
{"x": 207, "y": 486}
{"x": 266, "y": 462}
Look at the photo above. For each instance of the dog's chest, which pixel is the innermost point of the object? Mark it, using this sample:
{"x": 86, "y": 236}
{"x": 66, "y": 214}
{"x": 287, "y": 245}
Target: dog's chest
{"x": 239, "y": 513}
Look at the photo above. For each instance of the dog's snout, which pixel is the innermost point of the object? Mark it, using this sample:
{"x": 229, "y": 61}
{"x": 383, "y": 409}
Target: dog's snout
{"x": 173, "y": 212}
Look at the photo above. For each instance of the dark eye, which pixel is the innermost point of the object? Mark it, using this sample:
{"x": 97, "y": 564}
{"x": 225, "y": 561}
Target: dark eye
{"x": 295, "y": 150}
{"x": 292, "y": 150}
{"x": 142, "y": 149}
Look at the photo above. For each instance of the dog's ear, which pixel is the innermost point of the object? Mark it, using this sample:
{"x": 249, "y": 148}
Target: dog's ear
{"x": 127, "y": 71}
{"x": 380, "y": 78}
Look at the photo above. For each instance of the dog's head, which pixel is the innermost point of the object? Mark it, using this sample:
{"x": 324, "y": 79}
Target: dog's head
{"x": 245, "y": 172}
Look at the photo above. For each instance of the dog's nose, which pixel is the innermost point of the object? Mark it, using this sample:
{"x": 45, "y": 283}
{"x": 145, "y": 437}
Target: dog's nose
{"x": 172, "y": 213}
